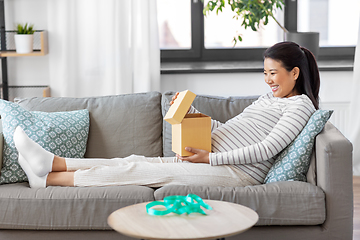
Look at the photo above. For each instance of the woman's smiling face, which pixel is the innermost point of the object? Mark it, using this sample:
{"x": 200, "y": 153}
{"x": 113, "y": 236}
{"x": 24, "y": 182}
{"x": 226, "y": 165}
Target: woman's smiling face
{"x": 281, "y": 81}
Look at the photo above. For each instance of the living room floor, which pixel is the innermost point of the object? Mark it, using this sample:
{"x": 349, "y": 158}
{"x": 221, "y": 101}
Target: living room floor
{"x": 356, "y": 186}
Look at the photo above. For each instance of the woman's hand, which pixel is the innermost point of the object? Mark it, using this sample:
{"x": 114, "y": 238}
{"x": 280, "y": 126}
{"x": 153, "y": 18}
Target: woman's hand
{"x": 173, "y": 98}
{"x": 200, "y": 156}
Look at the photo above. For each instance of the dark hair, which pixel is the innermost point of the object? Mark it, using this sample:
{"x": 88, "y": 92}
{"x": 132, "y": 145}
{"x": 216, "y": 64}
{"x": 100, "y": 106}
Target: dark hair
{"x": 292, "y": 55}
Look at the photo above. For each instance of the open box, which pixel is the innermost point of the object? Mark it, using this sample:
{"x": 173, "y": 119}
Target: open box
{"x": 188, "y": 129}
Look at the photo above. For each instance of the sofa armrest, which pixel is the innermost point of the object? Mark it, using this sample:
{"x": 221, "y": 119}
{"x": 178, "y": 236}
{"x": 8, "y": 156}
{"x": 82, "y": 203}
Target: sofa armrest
{"x": 335, "y": 177}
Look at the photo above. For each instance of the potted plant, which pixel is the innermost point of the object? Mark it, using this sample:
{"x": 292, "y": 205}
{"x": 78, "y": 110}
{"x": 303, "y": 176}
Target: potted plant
{"x": 254, "y": 12}
{"x": 24, "y": 38}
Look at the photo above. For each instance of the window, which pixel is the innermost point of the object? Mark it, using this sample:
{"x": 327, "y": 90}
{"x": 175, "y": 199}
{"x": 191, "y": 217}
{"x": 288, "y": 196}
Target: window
{"x": 326, "y": 17}
{"x": 174, "y": 28}
{"x": 186, "y": 35}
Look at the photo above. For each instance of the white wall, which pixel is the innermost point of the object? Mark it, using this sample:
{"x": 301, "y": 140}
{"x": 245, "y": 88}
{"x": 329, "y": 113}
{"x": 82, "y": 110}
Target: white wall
{"x": 222, "y": 84}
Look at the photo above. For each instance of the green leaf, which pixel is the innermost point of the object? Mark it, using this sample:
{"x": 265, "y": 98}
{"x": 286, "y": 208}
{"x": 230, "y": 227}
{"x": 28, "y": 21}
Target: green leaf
{"x": 253, "y": 28}
{"x": 219, "y": 9}
{"x": 266, "y": 20}
{"x": 235, "y": 41}
{"x": 19, "y": 29}
{"x": 25, "y": 29}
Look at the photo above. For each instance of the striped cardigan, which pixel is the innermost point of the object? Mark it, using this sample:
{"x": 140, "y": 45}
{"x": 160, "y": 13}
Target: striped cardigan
{"x": 252, "y": 140}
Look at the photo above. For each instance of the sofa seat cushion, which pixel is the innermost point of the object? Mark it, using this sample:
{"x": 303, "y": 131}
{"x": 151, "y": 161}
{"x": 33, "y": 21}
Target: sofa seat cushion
{"x": 65, "y": 208}
{"x": 279, "y": 203}
{"x": 120, "y": 125}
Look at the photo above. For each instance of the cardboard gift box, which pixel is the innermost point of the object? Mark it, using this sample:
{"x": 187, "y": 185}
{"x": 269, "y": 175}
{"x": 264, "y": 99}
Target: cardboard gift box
{"x": 188, "y": 130}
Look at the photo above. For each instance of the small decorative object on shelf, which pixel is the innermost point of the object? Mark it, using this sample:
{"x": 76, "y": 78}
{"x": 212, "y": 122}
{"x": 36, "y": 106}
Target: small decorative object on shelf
{"x": 24, "y": 38}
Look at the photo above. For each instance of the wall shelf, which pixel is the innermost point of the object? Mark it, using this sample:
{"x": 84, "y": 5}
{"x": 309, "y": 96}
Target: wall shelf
{"x": 40, "y": 45}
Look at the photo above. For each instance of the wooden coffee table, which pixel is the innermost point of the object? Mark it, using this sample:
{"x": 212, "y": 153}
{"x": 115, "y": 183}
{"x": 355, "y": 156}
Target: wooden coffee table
{"x": 224, "y": 220}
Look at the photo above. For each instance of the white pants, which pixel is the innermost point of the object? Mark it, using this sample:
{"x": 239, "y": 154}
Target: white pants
{"x": 153, "y": 172}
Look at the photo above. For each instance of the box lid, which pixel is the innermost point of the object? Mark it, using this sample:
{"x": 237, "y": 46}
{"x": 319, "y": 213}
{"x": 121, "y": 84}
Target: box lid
{"x": 180, "y": 107}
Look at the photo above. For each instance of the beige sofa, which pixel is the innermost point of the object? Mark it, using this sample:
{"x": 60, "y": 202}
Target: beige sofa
{"x": 121, "y": 125}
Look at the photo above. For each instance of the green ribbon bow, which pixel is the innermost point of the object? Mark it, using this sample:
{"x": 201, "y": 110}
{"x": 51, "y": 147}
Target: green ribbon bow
{"x": 179, "y": 205}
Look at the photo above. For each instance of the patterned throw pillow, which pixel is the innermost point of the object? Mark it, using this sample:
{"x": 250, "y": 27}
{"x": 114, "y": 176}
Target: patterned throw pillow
{"x": 62, "y": 133}
{"x": 293, "y": 162}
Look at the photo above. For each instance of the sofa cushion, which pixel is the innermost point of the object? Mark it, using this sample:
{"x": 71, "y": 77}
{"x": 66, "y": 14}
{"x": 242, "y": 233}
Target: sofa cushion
{"x": 65, "y": 208}
{"x": 279, "y": 203}
{"x": 293, "y": 162}
{"x": 218, "y": 108}
{"x": 62, "y": 133}
{"x": 120, "y": 125}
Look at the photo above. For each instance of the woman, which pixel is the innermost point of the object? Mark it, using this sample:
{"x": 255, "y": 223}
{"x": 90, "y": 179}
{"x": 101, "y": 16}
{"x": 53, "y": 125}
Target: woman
{"x": 243, "y": 149}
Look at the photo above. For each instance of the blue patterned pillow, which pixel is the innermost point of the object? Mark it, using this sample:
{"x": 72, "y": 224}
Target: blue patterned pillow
{"x": 293, "y": 162}
{"x": 62, "y": 133}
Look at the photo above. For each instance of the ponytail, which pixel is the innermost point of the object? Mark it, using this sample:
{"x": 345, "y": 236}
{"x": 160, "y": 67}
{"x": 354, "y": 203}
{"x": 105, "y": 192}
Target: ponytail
{"x": 314, "y": 76}
{"x": 292, "y": 55}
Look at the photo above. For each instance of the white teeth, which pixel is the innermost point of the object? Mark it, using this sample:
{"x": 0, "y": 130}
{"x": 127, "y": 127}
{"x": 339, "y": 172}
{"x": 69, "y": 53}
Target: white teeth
{"x": 274, "y": 87}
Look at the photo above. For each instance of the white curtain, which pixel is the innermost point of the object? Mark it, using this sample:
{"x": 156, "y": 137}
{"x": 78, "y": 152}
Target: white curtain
{"x": 354, "y": 124}
{"x": 103, "y": 47}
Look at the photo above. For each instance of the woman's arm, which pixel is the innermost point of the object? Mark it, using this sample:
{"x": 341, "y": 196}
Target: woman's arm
{"x": 284, "y": 132}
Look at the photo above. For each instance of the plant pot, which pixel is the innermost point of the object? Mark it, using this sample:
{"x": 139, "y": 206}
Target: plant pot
{"x": 24, "y": 43}
{"x": 309, "y": 40}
